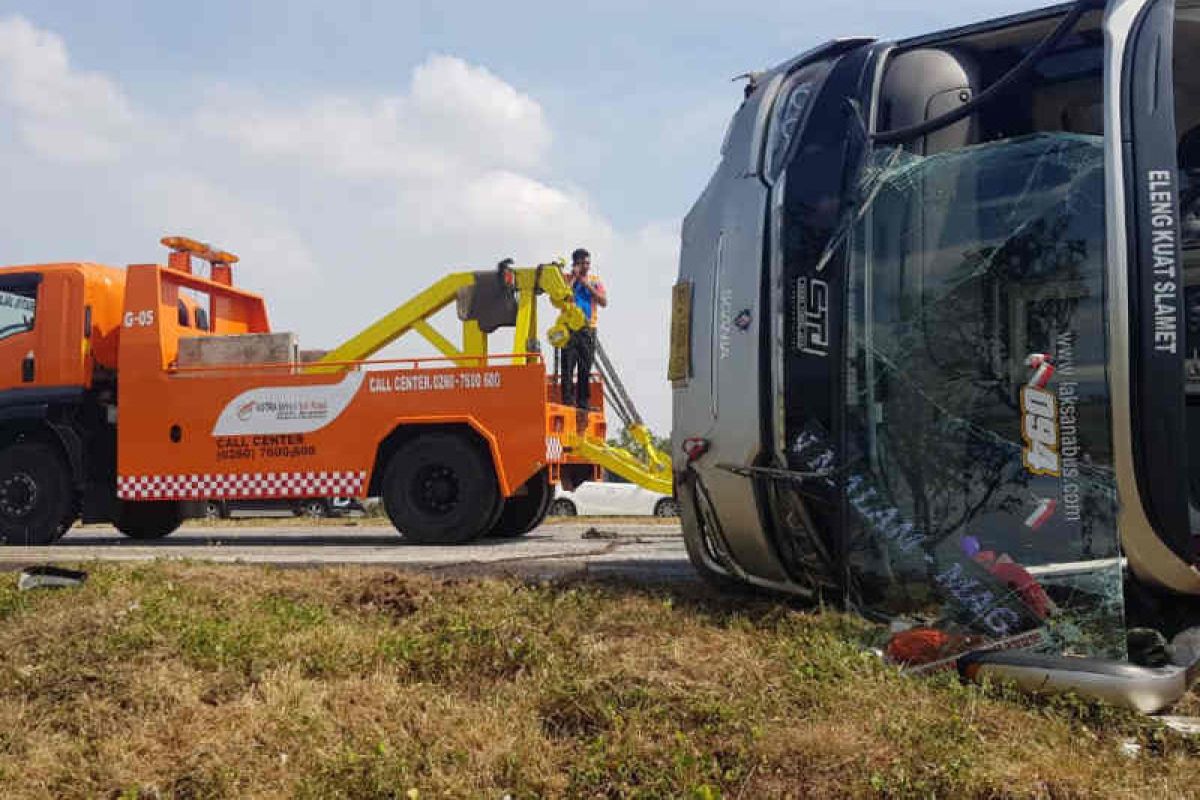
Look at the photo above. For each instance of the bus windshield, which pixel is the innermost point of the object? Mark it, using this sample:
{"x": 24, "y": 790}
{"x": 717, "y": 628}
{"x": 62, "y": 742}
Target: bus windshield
{"x": 978, "y": 455}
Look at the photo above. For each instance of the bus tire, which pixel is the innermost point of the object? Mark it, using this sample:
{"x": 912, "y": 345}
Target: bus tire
{"x": 35, "y": 494}
{"x": 149, "y": 519}
{"x": 524, "y": 512}
{"x": 440, "y": 488}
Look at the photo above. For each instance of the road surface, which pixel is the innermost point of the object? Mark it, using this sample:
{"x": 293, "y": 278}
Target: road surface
{"x": 651, "y": 551}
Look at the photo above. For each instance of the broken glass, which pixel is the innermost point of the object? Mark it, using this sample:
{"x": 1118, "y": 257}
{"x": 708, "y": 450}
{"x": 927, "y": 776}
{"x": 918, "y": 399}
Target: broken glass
{"x": 977, "y": 457}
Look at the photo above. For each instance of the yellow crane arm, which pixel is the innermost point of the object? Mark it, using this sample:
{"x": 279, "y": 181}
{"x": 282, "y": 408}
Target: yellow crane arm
{"x": 415, "y": 314}
{"x": 654, "y": 476}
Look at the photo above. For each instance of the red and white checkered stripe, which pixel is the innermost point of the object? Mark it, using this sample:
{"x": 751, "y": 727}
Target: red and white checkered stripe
{"x": 554, "y": 448}
{"x": 241, "y": 485}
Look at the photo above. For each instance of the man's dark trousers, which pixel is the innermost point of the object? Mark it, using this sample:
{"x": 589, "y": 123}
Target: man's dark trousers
{"x": 577, "y": 356}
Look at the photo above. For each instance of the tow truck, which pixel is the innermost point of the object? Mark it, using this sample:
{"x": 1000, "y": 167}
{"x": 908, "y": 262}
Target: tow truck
{"x": 131, "y": 395}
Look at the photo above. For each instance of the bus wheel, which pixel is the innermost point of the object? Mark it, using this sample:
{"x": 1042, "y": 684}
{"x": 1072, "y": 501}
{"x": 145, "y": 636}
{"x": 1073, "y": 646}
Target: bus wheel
{"x": 440, "y": 488}
{"x": 35, "y": 494}
{"x": 152, "y": 519}
{"x": 525, "y": 511}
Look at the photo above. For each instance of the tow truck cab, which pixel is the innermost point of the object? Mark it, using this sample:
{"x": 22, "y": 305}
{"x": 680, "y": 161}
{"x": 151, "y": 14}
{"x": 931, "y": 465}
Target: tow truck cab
{"x": 954, "y": 267}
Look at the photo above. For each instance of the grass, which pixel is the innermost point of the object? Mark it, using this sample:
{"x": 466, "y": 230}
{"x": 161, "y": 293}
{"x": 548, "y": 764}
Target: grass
{"x": 190, "y": 681}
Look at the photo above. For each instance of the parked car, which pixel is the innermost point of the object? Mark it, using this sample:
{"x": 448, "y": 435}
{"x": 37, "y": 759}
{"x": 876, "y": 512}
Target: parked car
{"x": 607, "y": 498}
{"x": 307, "y": 507}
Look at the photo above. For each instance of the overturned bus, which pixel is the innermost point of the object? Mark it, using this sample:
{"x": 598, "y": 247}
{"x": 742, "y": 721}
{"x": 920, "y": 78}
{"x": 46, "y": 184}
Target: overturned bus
{"x": 935, "y": 344}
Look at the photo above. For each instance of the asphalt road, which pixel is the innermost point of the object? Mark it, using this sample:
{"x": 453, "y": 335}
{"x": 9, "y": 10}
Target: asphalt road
{"x": 640, "y": 551}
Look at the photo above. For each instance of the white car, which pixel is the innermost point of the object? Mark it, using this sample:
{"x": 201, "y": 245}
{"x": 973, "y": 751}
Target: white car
{"x": 609, "y": 498}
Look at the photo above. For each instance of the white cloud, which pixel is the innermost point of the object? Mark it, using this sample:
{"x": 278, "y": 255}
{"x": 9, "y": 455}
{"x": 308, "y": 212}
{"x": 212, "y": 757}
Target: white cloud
{"x": 456, "y": 117}
{"x": 262, "y": 236}
{"x": 471, "y": 111}
{"x": 61, "y": 114}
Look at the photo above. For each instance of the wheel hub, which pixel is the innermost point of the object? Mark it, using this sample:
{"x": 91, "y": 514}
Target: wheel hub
{"x": 438, "y": 489}
{"x": 18, "y": 495}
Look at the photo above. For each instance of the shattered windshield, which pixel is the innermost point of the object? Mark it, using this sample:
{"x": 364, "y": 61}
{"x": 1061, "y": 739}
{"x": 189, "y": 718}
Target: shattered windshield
{"x": 978, "y": 469}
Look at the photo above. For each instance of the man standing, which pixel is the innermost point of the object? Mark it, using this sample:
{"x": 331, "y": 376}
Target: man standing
{"x": 580, "y": 349}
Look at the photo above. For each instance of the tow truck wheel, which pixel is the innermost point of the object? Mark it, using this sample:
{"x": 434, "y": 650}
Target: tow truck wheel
{"x": 524, "y": 512}
{"x": 440, "y": 488}
{"x": 35, "y": 494}
{"x": 152, "y": 519}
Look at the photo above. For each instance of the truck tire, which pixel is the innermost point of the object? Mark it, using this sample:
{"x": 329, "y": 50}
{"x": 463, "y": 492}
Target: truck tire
{"x": 35, "y": 494}
{"x": 524, "y": 512}
{"x": 440, "y": 488}
{"x": 152, "y": 519}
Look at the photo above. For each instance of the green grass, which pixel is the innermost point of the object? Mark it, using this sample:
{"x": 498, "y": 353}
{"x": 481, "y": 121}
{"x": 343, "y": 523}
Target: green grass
{"x": 189, "y": 681}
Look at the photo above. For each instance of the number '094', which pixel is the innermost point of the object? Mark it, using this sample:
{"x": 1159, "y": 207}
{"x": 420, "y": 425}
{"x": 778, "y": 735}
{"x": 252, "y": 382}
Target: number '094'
{"x": 1039, "y": 429}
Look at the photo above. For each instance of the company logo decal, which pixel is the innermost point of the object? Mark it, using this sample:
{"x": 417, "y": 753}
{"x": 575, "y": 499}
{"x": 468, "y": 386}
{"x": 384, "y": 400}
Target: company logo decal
{"x": 812, "y": 316}
{"x": 725, "y": 323}
{"x": 287, "y": 409}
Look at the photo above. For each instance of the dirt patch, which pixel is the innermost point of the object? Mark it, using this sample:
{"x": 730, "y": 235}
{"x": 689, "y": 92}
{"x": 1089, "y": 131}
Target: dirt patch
{"x": 390, "y": 593}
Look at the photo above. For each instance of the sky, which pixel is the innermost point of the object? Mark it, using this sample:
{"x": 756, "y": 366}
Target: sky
{"x": 354, "y": 152}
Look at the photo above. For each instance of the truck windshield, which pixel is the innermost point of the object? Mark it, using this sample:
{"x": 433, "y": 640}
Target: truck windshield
{"x": 978, "y": 469}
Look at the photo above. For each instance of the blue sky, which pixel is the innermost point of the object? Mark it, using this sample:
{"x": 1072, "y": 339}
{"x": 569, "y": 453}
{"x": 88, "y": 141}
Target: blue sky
{"x": 351, "y": 152}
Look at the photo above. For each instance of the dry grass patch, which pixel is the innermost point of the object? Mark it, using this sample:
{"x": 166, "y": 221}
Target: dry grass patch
{"x": 177, "y": 680}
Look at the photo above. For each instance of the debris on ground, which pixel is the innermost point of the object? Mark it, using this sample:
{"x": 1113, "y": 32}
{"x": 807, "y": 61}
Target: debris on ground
{"x": 1188, "y": 726}
{"x": 49, "y": 577}
{"x": 596, "y": 533}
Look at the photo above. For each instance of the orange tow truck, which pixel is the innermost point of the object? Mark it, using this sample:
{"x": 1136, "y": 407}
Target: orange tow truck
{"x": 132, "y": 395}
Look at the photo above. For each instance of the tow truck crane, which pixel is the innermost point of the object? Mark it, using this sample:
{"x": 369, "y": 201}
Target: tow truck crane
{"x": 128, "y": 394}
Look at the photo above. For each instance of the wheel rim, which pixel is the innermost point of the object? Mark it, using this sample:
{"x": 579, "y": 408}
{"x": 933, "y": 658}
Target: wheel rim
{"x": 18, "y": 495}
{"x": 562, "y": 508}
{"x": 314, "y": 508}
{"x": 212, "y": 511}
{"x": 436, "y": 489}
{"x": 666, "y": 508}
